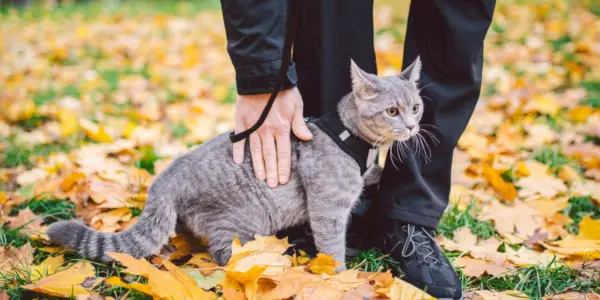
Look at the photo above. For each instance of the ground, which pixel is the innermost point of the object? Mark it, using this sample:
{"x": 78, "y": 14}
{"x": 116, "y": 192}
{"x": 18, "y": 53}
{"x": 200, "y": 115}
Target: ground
{"x": 96, "y": 100}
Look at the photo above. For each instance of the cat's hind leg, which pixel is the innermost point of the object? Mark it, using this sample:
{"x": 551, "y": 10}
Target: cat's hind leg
{"x": 220, "y": 239}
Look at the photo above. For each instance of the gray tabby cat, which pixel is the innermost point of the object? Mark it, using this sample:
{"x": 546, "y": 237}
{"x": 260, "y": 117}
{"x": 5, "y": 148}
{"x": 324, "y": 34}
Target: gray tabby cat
{"x": 213, "y": 197}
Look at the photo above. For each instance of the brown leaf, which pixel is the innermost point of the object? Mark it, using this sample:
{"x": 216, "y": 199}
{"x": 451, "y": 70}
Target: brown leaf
{"x": 474, "y": 267}
{"x": 27, "y": 222}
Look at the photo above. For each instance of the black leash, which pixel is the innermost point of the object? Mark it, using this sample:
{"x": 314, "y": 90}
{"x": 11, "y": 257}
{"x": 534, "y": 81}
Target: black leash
{"x": 292, "y": 25}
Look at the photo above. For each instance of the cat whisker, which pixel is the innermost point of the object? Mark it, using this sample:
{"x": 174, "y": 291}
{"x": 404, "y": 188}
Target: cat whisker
{"x": 431, "y": 136}
{"x": 426, "y": 87}
{"x": 392, "y": 156}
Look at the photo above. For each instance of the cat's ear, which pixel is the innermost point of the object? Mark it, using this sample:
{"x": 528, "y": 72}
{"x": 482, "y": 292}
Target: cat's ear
{"x": 363, "y": 83}
{"x": 413, "y": 72}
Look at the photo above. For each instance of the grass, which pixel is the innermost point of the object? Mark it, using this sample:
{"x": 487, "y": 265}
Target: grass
{"x": 93, "y": 9}
{"x": 455, "y": 218}
{"x": 593, "y": 93}
{"x": 147, "y": 160}
{"x": 554, "y": 159}
{"x": 537, "y": 281}
{"x": 14, "y": 155}
{"x": 373, "y": 260}
{"x": 578, "y": 208}
{"x": 51, "y": 210}
{"x": 12, "y": 237}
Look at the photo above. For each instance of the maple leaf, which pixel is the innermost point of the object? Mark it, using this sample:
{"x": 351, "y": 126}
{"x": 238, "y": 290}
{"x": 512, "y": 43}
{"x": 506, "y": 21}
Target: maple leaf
{"x": 15, "y": 258}
{"x": 27, "y": 222}
{"x": 517, "y": 222}
{"x": 66, "y": 283}
{"x": 475, "y": 267}
{"x": 505, "y": 189}
{"x": 323, "y": 264}
{"x": 46, "y": 267}
{"x": 589, "y": 229}
{"x": 173, "y": 283}
{"x": 505, "y": 295}
{"x": 545, "y": 185}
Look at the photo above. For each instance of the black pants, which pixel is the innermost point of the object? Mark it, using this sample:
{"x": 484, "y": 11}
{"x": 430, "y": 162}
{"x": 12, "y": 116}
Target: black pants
{"x": 448, "y": 36}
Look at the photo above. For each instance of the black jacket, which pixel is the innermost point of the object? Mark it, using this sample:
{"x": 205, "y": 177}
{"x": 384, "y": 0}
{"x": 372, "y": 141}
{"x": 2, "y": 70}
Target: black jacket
{"x": 255, "y": 34}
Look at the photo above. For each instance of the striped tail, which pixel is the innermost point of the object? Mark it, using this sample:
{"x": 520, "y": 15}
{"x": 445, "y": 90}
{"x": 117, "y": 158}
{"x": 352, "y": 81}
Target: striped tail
{"x": 144, "y": 238}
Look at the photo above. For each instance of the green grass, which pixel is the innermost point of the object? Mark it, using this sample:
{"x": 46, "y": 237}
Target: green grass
{"x": 51, "y": 210}
{"x": 16, "y": 155}
{"x": 536, "y": 281}
{"x": 373, "y": 260}
{"x": 12, "y": 237}
{"x": 93, "y": 9}
{"x": 578, "y": 208}
{"x": 554, "y": 159}
{"x": 455, "y": 218}
{"x": 593, "y": 93}
{"x": 147, "y": 160}
{"x": 179, "y": 130}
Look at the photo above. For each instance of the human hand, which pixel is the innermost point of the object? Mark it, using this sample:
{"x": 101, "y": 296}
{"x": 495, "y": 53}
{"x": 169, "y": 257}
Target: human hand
{"x": 270, "y": 145}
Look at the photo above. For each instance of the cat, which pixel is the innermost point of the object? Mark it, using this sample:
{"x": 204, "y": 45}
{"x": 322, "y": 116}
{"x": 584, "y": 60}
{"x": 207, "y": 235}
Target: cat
{"x": 213, "y": 197}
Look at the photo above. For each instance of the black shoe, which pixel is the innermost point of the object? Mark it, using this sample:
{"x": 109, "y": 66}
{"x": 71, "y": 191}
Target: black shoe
{"x": 301, "y": 238}
{"x": 421, "y": 259}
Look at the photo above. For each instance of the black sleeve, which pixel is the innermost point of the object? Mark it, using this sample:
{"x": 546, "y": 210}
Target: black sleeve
{"x": 255, "y": 34}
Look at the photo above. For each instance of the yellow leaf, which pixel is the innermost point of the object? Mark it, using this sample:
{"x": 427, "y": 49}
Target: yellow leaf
{"x": 544, "y": 104}
{"x": 116, "y": 281}
{"x": 95, "y": 132}
{"x": 171, "y": 284}
{"x": 70, "y": 181}
{"x": 19, "y": 110}
{"x": 400, "y": 290}
{"x": 66, "y": 283}
{"x": 204, "y": 262}
{"x": 505, "y": 189}
{"x": 48, "y": 266}
{"x": 568, "y": 174}
{"x": 522, "y": 170}
{"x": 576, "y": 248}
{"x": 51, "y": 250}
{"x": 581, "y": 113}
{"x": 2, "y": 198}
{"x": 589, "y": 229}
{"x": 69, "y": 122}
{"x": 323, "y": 264}
{"x": 248, "y": 279}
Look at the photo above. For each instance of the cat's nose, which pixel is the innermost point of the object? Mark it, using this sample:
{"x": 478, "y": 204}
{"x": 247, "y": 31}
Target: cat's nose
{"x": 410, "y": 127}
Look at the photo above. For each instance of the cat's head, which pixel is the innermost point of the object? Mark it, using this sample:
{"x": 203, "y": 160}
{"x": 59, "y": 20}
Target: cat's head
{"x": 388, "y": 108}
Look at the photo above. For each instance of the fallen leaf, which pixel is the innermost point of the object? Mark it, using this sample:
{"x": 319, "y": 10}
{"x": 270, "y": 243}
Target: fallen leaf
{"x": 66, "y": 283}
{"x": 589, "y": 229}
{"x": 173, "y": 283}
{"x": 525, "y": 257}
{"x": 27, "y": 222}
{"x": 575, "y": 248}
{"x": 517, "y": 221}
{"x": 15, "y": 258}
{"x": 204, "y": 263}
{"x": 206, "y": 282}
{"x": 403, "y": 290}
{"x": 505, "y": 295}
{"x": 116, "y": 281}
{"x": 474, "y": 267}
{"x": 47, "y": 267}
{"x": 505, "y": 189}
{"x": 323, "y": 264}
{"x": 545, "y": 185}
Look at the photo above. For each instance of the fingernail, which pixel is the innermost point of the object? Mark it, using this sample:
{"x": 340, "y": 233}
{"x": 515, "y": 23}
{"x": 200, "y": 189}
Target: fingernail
{"x": 306, "y": 131}
{"x": 272, "y": 183}
{"x": 260, "y": 176}
{"x": 283, "y": 179}
{"x": 237, "y": 159}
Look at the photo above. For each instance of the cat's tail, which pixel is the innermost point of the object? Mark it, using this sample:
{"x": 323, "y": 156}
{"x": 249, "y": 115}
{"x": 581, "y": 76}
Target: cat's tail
{"x": 144, "y": 238}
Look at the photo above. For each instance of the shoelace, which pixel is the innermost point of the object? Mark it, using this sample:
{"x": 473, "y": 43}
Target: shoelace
{"x": 426, "y": 251}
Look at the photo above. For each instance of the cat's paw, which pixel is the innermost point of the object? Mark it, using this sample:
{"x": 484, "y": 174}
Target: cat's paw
{"x": 340, "y": 268}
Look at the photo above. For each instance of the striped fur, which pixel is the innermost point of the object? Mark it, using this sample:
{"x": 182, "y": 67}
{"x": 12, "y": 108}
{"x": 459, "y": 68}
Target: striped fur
{"x": 211, "y": 196}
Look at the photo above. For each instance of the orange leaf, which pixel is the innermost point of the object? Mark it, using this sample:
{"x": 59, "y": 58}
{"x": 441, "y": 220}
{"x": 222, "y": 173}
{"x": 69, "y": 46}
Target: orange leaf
{"x": 505, "y": 189}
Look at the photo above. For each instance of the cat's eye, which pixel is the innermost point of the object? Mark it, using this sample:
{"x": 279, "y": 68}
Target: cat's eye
{"x": 415, "y": 108}
{"x": 392, "y": 111}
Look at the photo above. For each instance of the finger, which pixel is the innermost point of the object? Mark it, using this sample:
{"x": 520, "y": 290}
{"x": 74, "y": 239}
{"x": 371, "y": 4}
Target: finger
{"x": 257, "y": 156}
{"x": 283, "y": 157}
{"x": 238, "y": 149}
{"x": 299, "y": 126}
{"x": 269, "y": 154}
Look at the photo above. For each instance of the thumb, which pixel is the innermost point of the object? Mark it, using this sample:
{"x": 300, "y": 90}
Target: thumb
{"x": 299, "y": 126}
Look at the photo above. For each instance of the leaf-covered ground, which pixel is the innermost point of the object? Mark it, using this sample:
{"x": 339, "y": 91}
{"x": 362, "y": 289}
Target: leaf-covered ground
{"x": 97, "y": 100}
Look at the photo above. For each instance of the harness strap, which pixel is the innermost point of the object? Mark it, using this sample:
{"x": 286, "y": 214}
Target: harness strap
{"x": 361, "y": 151}
{"x": 293, "y": 23}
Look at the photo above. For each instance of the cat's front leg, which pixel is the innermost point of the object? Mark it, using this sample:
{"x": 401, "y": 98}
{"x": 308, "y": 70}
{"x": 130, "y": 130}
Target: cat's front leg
{"x": 329, "y": 232}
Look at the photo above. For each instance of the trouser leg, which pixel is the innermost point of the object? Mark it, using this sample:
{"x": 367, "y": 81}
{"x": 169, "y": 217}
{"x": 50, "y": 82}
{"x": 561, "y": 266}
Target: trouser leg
{"x": 331, "y": 33}
{"x": 448, "y": 36}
